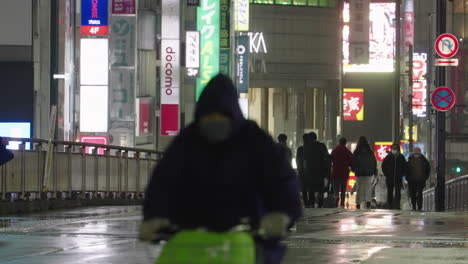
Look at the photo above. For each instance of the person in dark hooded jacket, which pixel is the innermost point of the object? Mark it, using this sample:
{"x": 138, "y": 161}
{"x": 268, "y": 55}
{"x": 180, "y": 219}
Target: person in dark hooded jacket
{"x": 5, "y": 154}
{"x": 394, "y": 168}
{"x": 220, "y": 170}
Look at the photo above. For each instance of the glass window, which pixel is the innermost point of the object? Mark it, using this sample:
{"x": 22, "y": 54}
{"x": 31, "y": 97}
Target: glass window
{"x": 283, "y": 2}
{"x": 313, "y": 2}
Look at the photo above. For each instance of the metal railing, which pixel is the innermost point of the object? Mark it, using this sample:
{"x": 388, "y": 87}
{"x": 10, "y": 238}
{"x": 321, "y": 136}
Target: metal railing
{"x": 116, "y": 171}
{"x": 456, "y": 195}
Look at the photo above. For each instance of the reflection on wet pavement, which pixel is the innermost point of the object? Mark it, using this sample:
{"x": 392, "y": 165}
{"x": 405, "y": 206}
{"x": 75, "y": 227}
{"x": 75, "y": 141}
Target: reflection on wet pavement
{"x": 109, "y": 235}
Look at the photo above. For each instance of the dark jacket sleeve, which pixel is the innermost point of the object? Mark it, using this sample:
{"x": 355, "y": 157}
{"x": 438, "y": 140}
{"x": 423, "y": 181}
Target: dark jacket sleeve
{"x": 279, "y": 186}
{"x": 374, "y": 165}
{"x": 427, "y": 167}
{"x": 356, "y": 163}
{"x": 300, "y": 161}
{"x": 157, "y": 194}
{"x": 386, "y": 166}
{"x": 403, "y": 164}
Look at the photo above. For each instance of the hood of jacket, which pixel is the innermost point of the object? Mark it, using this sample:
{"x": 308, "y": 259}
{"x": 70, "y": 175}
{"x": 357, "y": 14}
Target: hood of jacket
{"x": 220, "y": 95}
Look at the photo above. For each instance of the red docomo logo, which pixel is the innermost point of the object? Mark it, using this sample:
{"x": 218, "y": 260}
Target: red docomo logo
{"x": 168, "y": 72}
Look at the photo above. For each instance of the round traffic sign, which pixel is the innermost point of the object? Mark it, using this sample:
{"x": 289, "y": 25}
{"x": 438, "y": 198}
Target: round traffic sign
{"x": 446, "y": 45}
{"x": 443, "y": 99}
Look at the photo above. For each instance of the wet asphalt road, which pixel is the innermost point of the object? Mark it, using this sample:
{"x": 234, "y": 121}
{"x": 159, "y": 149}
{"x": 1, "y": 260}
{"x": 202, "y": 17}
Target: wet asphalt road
{"x": 109, "y": 235}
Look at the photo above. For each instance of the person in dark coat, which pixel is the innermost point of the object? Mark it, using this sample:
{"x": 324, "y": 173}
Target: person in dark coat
{"x": 283, "y": 141}
{"x": 5, "y": 154}
{"x": 417, "y": 173}
{"x": 342, "y": 160}
{"x": 317, "y": 170}
{"x": 394, "y": 168}
{"x": 301, "y": 169}
{"x": 220, "y": 170}
{"x": 364, "y": 166}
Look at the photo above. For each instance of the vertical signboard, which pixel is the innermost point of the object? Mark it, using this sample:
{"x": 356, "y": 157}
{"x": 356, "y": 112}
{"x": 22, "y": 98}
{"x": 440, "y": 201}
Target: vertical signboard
{"x": 143, "y": 120}
{"x": 192, "y": 53}
{"x": 409, "y": 25}
{"x": 419, "y": 84}
{"x": 170, "y": 67}
{"x": 94, "y": 15}
{"x": 225, "y": 24}
{"x": 208, "y": 15}
{"x": 123, "y": 41}
{"x": 170, "y": 81}
{"x": 359, "y": 11}
{"x": 122, "y": 95}
{"x": 242, "y": 63}
{"x": 353, "y": 104}
{"x": 123, "y": 7}
{"x": 241, "y": 18}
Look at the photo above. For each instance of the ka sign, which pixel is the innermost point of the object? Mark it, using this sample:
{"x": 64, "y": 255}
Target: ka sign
{"x": 94, "y": 14}
{"x": 353, "y": 104}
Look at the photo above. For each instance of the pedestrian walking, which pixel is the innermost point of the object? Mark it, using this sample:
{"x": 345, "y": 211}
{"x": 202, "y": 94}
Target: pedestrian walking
{"x": 364, "y": 166}
{"x": 342, "y": 160}
{"x": 418, "y": 171}
{"x": 300, "y": 164}
{"x": 394, "y": 168}
{"x": 220, "y": 170}
{"x": 317, "y": 170}
{"x": 283, "y": 141}
{"x": 5, "y": 154}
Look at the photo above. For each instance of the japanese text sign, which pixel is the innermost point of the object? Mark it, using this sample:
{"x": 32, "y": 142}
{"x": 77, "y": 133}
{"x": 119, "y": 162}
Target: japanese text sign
{"x": 94, "y": 16}
{"x": 208, "y": 17}
{"x": 419, "y": 84}
{"x": 123, "y": 7}
{"x": 381, "y": 150}
{"x": 242, "y": 15}
{"x": 353, "y": 104}
{"x": 359, "y": 31}
{"x": 192, "y": 51}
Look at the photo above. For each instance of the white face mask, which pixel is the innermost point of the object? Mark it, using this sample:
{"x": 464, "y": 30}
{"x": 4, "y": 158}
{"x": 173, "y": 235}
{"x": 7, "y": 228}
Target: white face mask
{"x": 394, "y": 152}
{"x": 417, "y": 155}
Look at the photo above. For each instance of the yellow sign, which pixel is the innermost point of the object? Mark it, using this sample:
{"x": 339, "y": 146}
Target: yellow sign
{"x": 415, "y": 133}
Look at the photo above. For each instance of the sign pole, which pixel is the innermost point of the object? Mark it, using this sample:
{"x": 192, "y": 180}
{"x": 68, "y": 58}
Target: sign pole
{"x": 410, "y": 117}
{"x": 396, "y": 90}
{"x": 440, "y": 118}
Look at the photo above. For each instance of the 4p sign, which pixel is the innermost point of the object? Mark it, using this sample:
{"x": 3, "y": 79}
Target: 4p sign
{"x": 446, "y": 45}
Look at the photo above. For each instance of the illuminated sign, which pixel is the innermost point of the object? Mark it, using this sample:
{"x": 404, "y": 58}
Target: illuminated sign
{"x": 208, "y": 17}
{"x": 94, "y": 14}
{"x": 381, "y": 39}
{"x": 415, "y": 133}
{"x": 101, "y": 140}
{"x": 94, "y": 108}
{"x": 381, "y": 150}
{"x": 16, "y": 130}
{"x": 353, "y": 104}
{"x": 351, "y": 181}
{"x": 143, "y": 110}
{"x": 123, "y": 7}
{"x": 359, "y": 31}
{"x": 170, "y": 81}
{"x": 170, "y": 67}
{"x": 192, "y": 51}
{"x": 242, "y": 15}
{"x": 419, "y": 84}
{"x": 257, "y": 43}
{"x": 94, "y": 62}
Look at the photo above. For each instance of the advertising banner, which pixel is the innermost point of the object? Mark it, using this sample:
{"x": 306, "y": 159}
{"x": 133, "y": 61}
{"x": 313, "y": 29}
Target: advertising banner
{"x": 94, "y": 15}
{"x": 241, "y": 15}
{"x": 102, "y": 140}
{"x": 208, "y": 16}
{"x": 122, "y": 94}
{"x": 170, "y": 83}
{"x": 123, "y": 7}
{"x": 170, "y": 67}
{"x": 419, "y": 84}
{"x": 123, "y": 41}
{"x": 192, "y": 53}
{"x": 242, "y": 63}
{"x": 381, "y": 150}
{"x": 225, "y": 61}
{"x": 225, "y": 24}
{"x": 143, "y": 120}
{"x": 359, "y": 11}
{"x": 353, "y": 104}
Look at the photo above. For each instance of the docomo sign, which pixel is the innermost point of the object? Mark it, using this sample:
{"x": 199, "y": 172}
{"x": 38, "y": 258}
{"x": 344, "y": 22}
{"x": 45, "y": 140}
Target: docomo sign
{"x": 170, "y": 81}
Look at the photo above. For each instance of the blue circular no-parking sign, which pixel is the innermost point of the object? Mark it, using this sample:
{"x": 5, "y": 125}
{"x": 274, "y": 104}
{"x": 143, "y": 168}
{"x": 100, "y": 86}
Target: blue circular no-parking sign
{"x": 443, "y": 99}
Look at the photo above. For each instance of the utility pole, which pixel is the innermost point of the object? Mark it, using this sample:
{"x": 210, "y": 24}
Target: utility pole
{"x": 441, "y": 11}
{"x": 410, "y": 99}
{"x": 396, "y": 90}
